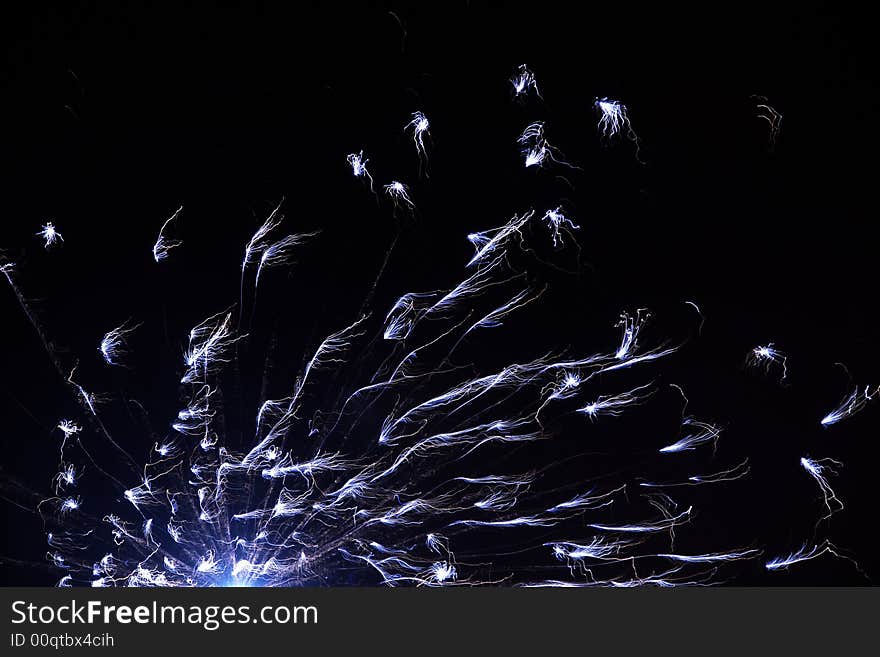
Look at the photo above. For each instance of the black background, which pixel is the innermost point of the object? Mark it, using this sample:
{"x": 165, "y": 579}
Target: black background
{"x": 115, "y": 116}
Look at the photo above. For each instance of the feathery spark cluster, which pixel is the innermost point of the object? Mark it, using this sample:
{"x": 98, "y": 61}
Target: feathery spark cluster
{"x": 820, "y": 470}
{"x": 50, "y": 234}
{"x": 358, "y": 164}
{"x": 614, "y": 121}
{"x": 766, "y": 356}
{"x": 535, "y": 149}
{"x": 399, "y": 195}
{"x": 419, "y": 126}
{"x": 524, "y": 81}
{"x": 113, "y": 346}
{"x": 850, "y": 405}
{"x": 773, "y": 118}
{"x": 558, "y": 223}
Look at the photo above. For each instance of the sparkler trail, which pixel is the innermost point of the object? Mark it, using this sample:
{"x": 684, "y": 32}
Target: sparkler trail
{"x": 709, "y": 558}
{"x": 697, "y": 433}
{"x": 524, "y": 82}
{"x": 699, "y": 312}
{"x": 804, "y": 553}
{"x": 614, "y": 121}
{"x": 533, "y": 143}
{"x": 664, "y": 525}
{"x": 280, "y": 253}
{"x": 165, "y": 245}
{"x": 358, "y": 164}
{"x": 766, "y": 356}
{"x": 536, "y": 150}
{"x": 487, "y": 242}
{"x": 68, "y": 428}
{"x": 258, "y": 242}
{"x": 405, "y": 313}
{"x": 820, "y": 470}
{"x": 773, "y": 118}
{"x": 405, "y": 450}
{"x": 420, "y": 129}
{"x": 558, "y": 223}
{"x": 399, "y": 195}
{"x": 731, "y": 474}
{"x": 850, "y": 405}
{"x": 114, "y": 346}
{"x": 630, "y": 326}
{"x": 7, "y": 268}
{"x": 612, "y": 404}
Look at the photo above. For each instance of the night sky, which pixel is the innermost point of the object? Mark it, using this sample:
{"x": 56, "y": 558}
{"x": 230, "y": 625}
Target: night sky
{"x": 113, "y": 117}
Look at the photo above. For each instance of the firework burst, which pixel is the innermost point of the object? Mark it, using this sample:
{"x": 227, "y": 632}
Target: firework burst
{"x": 419, "y": 471}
